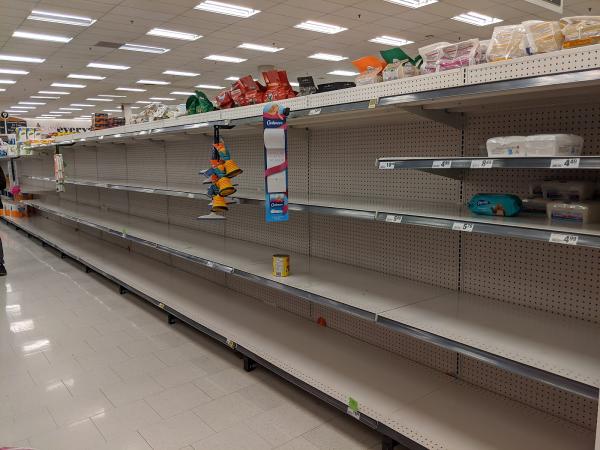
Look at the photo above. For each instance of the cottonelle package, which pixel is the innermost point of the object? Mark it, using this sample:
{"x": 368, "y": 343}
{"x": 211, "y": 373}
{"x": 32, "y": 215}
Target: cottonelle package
{"x": 535, "y": 145}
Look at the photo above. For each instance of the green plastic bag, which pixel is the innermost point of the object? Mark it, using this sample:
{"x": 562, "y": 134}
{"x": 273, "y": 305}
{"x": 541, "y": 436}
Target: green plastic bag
{"x": 397, "y": 54}
{"x": 198, "y": 103}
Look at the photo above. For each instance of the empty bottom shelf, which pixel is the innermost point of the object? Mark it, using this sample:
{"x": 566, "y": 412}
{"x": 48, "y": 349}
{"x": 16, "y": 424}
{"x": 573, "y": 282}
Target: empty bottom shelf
{"x": 428, "y": 407}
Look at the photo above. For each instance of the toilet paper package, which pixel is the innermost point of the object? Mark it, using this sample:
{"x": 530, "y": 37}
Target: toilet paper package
{"x": 535, "y": 145}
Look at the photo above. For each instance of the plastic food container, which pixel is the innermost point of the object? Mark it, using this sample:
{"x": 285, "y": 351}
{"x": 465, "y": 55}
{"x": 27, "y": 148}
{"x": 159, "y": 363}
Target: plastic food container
{"x": 542, "y": 36}
{"x": 574, "y": 191}
{"x": 507, "y": 42}
{"x": 582, "y": 212}
{"x": 580, "y": 30}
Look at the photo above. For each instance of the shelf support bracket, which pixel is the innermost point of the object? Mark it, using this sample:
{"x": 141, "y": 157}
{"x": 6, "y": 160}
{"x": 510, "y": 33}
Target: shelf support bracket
{"x": 122, "y": 290}
{"x": 249, "y": 364}
{"x": 454, "y": 120}
{"x": 387, "y": 443}
{"x": 171, "y": 319}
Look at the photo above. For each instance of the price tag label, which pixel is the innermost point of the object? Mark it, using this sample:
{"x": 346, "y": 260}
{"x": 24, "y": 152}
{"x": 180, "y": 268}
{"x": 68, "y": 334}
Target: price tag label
{"x": 462, "y": 226}
{"x": 560, "y": 238}
{"x": 190, "y": 195}
{"x": 314, "y": 112}
{"x": 373, "y": 103}
{"x": 147, "y": 191}
{"x": 442, "y": 164}
{"x": 482, "y": 163}
{"x": 393, "y": 218}
{"x": 161, "y": 305}
{"x": 231, "y": 344}
{"x": 387, "y": 165}
{"x": 354, "y": 414}
{"x": 564, "y": 163}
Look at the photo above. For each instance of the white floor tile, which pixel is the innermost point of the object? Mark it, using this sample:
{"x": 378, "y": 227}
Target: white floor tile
{"x": 238, "y": 437}
{"x": 127, "y": 441}
{"x": 130, "y": 390}
{"x": 126, "y": 418}
{"x": 227, "y": 411}
{"x": 178, "y": 374}
{"x": 297, "y": 444}
{"x": 26, "y": 425}
{"x": 76, "y": 436}
{"x": 342, "y": 433}
{"x": 178, "y": 399}
{"x": 135, "y": 367}
{"x": 176, "y": 432}
{"x": 78, "y": 408}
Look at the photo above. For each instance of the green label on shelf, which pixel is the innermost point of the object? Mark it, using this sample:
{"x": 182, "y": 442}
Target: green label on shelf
{"x": 352, "y": 404}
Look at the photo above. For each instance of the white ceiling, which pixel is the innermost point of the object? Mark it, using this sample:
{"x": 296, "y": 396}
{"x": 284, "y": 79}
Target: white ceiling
{"x": 129, "y": 20}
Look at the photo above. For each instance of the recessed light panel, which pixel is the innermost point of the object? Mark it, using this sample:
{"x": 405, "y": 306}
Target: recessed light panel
{"x": 54, "y": 92}
{"x": 179, "y": 73}
{"x": 112, "y": 96}
{"x": 182, "y": 93}
{"x": 209, "y": 86}
{"x": 223, "y": 58}
{"x": 31, "y": 103}
{"x": 343, "y": 73}
{"x": 328, "y": 57}
{"x": 390, "y": 40}
{"x": 14, "y": 72}
{"x": 260, "y": 48}
{"x": 41, "y": 37}
{"x": 85, "y": 77}
{"x": 3, "y": 81}
{"x": 98, "y": 65}
{"x": 162, "y": 99}
{"x": 17, "y": 58}
{"x": 474, "y": 18}
{"x": 156, "y": 82}
{"x": 143, "y": 48}
{"x": 67, "y": 19}
{"x": 161, "y": 32}
{"x": 47, "y": 97}
{"x": 93, "y": 99}
{"x": 130, "y": 89}
{"x": 83, "y": 105}
{"x": 412, "y": 3}
{"x": 320, "y": 27}
{"x": 227, "y": 9}
{"x": 69, "y": 85}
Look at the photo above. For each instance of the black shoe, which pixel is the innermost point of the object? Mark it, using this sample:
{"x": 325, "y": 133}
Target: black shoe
{"x": 2, "y": 270}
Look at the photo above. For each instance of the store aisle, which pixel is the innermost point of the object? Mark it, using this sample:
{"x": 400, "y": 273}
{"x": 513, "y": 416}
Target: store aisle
{"x": 82, "y": 367}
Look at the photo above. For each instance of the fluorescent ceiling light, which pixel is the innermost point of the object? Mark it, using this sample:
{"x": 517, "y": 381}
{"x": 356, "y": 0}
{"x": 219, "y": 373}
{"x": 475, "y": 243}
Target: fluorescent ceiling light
{"x": 112, "y": 96}
{"x": 143, "y": 48}
{"x": 181, "y": 74}
{"x": 343, "y": 73}
{"x": 70, "y": 109}
{"x": 92, "y": 99}
{"x": 294, "y": 84}
{"x": 328, "y": 57}
{"x": 14, "y": 71}
{"x": 209, "y": 86}
{"x": 320, "y": 27}
{"x": 7, "y": 81}
{"x": 166, "y": 99}
{"x": 473, "y": 18}
{"x": 173, "y": 34}
{"x": 390, "y": 40}
{"x": 144, "y": 102}
{"x": 23, "y": 107}
{"x": 83, "y": 105}
{"x": 111, "y": 110}
{"x": 157, "y": 82}
{"x": 66, "y": 19}
{"x": 54, "y": 92}
{"x": 13, "y": 111}
{"x": 223, "y": 58}
{"x": 130, "y": 89}
{"x": 2, "y": 90}
{"x": 134, "y": 107}
{"x": 85, "y": 77}
{"x": 31, "y": 103}
{"x": 16, "y": 58}
{"x": 412, "y": 3}
{"x": 226, "y": 8}
{"x": 60, "y": 112}
{"x": 260, "y": 48}
{"x": 98, "y": 65}
{"x": 182, "y": 93}
{"x": 48, "y": 97}
{"x": 68, "y": 85}
{"x": 41, "y": 37}
{"x": 232, "y": 78}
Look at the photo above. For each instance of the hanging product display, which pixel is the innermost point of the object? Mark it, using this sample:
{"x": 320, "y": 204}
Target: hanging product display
{"x": 276, "y": 162}
{"x": 219, "y": 176}
{"x": 59, "y": 172}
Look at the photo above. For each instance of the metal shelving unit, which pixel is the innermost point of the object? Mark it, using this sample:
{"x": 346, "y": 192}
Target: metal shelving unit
{"x": 518, "y": 340}
{"x": 393, "y": 393}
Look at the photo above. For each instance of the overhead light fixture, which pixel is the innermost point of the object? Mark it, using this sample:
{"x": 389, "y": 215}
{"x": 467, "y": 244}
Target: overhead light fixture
{"x": 166, "y": 99}
{"x": 343, "y": 73}
{"x": 412, "y": 3}
{"x": 130, "y": 89}
{"x": 227, "y": 9}
{"x": 13, "y": 111}
{"x": 260, "y": 48}
{"x": 66, "y": 19}
{"x": 182, "y": 93}
{"x": 83, "y": 105}
{"x": 474, "y": 18}
{"x": 14, "y": 72}
{"x": 23, "y": 107}
{"x": 209, "y": 86}
{"x": 173, "y": 34}
{"x": 390, "y": 40}
{"x": 7, "y": 81}
{"x": 232, "y": 78}
{"x": 69, "y": 85}
{"x": 60, "y": 112}
{"x": 144, "y": 102}
{"x": 41, "y": 37}
{"x": 320, "y": 27}
{"x": 156, "y": 82}
{"x": 178, "y": 73}
{"x": 328, "y": 57}
{"x": 223, "y": 58}
{"x": 31, "y": 103}
{"x": 143, "y": 48}
{"x": 70, "y": 109}
{"x": 98, "y": 65}
{"x": 85, "y": 77}
{"x": 47, "y": 97}
{"x": 16, "y": 58}
{"x": 112, "y": 96}
{"x": 112, "y": 110}
{"x": 54, "y": 92}
{"x": 92, "y": 99}
{"x": 2, "y": 90}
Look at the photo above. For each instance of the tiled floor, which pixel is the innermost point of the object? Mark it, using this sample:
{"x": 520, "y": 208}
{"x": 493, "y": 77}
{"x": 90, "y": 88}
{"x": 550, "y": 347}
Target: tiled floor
{"x": 82, "y": 367}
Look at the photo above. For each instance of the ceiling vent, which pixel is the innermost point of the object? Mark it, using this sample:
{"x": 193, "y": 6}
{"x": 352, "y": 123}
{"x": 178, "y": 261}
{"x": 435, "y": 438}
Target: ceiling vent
{"x": 108, "y": 44}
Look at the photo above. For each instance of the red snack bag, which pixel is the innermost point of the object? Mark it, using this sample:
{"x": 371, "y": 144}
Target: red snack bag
{"x": 224, "y": 100}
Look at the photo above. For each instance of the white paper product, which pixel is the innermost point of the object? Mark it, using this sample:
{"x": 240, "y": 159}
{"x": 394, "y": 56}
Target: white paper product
{"x": 543, "y": 37}
{"x": 431, "y": 56}
{"x": 581, "y": 212}
{"x": 275, "y": 145}
{"x": 553, "y": 145}
{"x": 574, "y": 191}
{"x": 503, "y": 146}
{"x": 507, "y": 42}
